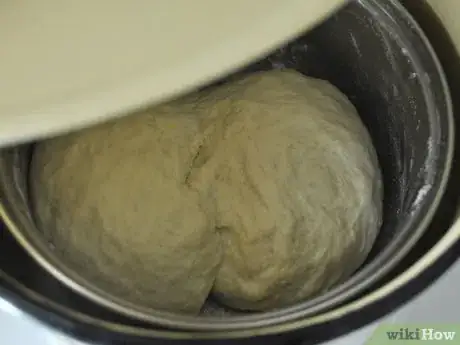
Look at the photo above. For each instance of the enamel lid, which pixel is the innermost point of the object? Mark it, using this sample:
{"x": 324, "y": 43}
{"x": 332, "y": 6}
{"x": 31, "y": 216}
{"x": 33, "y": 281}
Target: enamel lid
{"x": 69, "y": 64}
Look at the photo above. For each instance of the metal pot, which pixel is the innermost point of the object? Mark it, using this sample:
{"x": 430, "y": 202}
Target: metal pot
{"x": 377, "y": 55}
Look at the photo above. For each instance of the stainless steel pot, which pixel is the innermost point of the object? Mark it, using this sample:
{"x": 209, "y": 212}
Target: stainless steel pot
{"x": 379, "y": 57}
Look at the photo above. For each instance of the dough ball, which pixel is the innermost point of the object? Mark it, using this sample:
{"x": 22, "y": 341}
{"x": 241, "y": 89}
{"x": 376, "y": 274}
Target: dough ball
{"x": 265, "y": 191}
{"x": 297, "y": 185}
{"x": 112, "y": 199}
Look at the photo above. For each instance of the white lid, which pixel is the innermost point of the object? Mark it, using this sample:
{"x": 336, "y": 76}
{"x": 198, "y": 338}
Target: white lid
{"x": 69, "y": 64}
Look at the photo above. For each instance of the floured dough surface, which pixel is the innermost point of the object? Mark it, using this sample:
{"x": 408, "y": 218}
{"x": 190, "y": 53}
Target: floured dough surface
{"x": 265, "y": 191}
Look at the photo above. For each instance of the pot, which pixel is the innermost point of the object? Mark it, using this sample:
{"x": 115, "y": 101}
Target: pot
{"x": 377, "y": 55}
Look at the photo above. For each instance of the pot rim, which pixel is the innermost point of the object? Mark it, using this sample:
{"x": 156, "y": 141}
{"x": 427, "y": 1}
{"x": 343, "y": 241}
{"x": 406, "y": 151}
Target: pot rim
{"x": 451, "y": 237}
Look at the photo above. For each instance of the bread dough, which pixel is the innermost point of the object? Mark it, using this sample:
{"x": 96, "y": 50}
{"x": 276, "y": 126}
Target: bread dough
{"x": 298, "y": 190}
{"x": 266, "y": 190}
{"x": 112, "y": 200}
